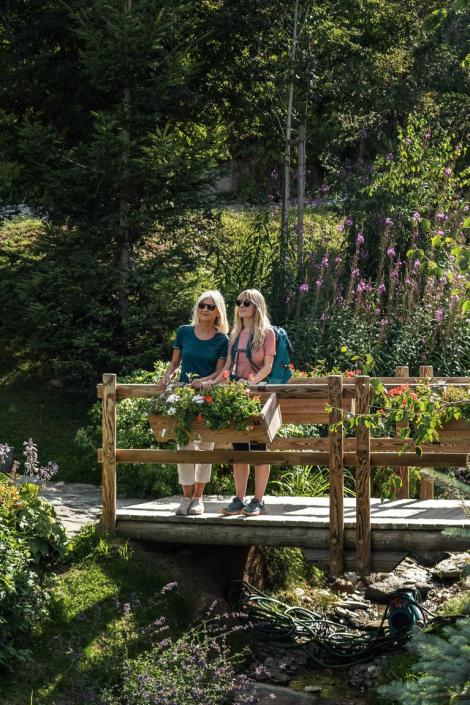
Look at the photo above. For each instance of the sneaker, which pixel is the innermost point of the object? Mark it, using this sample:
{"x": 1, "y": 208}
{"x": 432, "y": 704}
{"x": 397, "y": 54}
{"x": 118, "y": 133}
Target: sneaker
{"x": 253, "y": 508}
{"x": 197, "y": 506}
{"x": 235, "y": 507}
{"x": 183, "y": 509}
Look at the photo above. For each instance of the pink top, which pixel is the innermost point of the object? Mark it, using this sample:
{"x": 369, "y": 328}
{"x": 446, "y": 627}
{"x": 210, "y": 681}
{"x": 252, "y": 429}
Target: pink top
{"x": 243, "y": 368}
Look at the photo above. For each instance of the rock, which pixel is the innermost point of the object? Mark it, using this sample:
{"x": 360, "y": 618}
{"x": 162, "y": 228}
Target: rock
{"x": 354, "y": 605}
{"x": 351, "y": 576}
{"x": 451, "y": 568}
{"x": 313, "y": 689}
{"x": 277, "y": 695}
{"x": 429, "y": 558}
{"x": 407, "y": 574}
{"x": 342, "y": 585}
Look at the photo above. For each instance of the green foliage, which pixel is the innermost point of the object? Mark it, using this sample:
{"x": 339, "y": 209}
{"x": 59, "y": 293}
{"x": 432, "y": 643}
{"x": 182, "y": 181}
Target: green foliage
{"x": 133, "y": 431}
{"x": 441, "y": 673}
{"x": 227, "y": 405}
{"x": 31, "y": 540}
{"x": 198, "y": 665}
{"x": 283, "y": 567}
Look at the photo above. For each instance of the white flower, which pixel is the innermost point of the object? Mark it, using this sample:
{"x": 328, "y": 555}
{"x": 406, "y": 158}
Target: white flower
{"x": 198, "y": 399}
{"x": 171, "y": 399}
{"x": 171, "y": 411}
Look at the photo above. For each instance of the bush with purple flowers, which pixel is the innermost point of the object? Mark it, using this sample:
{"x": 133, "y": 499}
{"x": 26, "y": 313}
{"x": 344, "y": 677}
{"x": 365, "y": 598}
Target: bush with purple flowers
{"x": 197, "y": 667}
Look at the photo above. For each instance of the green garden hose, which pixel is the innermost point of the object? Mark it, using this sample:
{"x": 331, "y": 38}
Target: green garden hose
{"x": 326, "y": 642}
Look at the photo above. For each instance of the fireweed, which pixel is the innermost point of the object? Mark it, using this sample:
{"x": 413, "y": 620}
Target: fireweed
{"x": 196, "y": 667}
{"x": 410, "y": 313}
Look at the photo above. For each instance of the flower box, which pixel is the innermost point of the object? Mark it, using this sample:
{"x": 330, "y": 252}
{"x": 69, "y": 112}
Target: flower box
{"x": 455, "y": 432}
{"x": 312, "y": 411}
{"x": 262, "y": 428}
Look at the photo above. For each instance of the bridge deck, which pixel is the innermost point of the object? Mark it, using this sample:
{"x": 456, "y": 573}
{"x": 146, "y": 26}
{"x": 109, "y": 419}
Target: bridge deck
{"x": 398, "y": 527}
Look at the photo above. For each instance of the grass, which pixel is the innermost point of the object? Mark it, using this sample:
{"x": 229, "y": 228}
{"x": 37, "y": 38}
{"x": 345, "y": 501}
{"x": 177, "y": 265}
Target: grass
{"x": 31, "y": 408}
{"x": 80, "y": 648}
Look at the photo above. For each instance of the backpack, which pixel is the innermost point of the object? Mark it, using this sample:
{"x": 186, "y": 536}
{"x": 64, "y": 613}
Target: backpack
{"x": 281, "y": 371}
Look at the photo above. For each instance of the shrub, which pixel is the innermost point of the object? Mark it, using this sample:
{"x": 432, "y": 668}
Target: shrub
{"x": 441, "y": 673}
{"x": 31, "y": 540}
{"x": 198, "y": 666}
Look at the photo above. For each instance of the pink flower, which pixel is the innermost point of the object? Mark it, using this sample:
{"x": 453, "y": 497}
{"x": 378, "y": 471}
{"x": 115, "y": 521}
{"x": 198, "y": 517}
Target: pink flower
{"x": 388, "y": 221}
{"x": 448, "y": 171}
{"x": 360, "y": 239}
{"x": 304, "y": 288}
{"x": 389, "y": 157}
{"x": 416, "y": 216}
{"x": 391, "y": 252}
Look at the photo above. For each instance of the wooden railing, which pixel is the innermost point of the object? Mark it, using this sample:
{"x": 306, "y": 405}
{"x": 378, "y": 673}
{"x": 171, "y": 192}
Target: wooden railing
{"x": 301, "y": 401}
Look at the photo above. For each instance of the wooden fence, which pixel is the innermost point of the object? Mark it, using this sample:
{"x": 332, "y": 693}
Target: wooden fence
{"x": 303, "y": 400}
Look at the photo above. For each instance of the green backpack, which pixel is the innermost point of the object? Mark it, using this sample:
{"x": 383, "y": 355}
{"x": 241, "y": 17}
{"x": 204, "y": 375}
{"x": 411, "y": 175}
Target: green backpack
{"x": 281, "y": 371}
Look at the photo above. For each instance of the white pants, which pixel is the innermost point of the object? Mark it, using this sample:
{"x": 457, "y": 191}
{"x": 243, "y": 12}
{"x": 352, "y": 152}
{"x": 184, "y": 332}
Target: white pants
{"x": 189, "y": 473}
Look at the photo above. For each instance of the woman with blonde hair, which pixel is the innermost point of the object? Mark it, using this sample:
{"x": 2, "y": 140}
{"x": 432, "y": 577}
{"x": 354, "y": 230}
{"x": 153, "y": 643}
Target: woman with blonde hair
{"x": 251, "y": 353}
{"x": 200, "y": 351}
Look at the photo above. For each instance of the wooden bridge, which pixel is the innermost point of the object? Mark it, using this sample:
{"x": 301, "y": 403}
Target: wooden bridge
{"x": 347, "y": 533}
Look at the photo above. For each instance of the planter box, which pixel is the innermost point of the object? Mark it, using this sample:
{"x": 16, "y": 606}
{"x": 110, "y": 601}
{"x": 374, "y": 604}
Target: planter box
{"x": 263, "y": 427}
{"x": 455, "y": 432}
{"x": 309, "y": 410}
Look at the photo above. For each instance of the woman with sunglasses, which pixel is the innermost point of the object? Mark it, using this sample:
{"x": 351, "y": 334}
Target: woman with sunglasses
{"x": 251, "y": 326}
{"x": 200, "y": 350}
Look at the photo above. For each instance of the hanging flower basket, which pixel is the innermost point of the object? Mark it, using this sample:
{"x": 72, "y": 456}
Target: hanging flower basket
{"x": 228, "y": 414}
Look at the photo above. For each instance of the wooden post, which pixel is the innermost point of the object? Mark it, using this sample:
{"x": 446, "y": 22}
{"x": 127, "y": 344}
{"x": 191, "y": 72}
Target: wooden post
{"x": 363, "y": 531}
{"x": 108, "y": 516}
{"x": 427, "y": 482}
{"x": 403, "y": 492}
{"x": 335, "y": 393}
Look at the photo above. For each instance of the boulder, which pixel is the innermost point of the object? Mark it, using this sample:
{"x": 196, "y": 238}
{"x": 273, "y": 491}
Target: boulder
{"x": 451, "y": 568}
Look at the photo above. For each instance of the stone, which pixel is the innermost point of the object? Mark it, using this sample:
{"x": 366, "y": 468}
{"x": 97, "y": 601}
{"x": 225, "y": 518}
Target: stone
{"x": 268, "y": 694}
{"x": 316, "y": 689}
{"x": 407, "y": 574}
{"x": 342, "y": 585}
{"x": 451, "y": 568}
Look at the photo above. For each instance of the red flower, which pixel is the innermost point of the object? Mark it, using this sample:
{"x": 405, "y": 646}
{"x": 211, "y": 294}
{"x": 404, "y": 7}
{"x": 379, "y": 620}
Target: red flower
{"x": 208, "y": 399}
{"x": 396, "y": 391}
{"x": 225, "y": 374}
{"x": 291, "y": 365}
{"x": 348, "y": 373}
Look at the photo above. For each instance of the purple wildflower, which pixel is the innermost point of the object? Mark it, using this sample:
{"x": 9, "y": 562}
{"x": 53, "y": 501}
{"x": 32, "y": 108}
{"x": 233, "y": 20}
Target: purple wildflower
{"x": 168, "y": 587}
{"x": 442, "y": 216}
{"x": 274, "y": 173}
{"x": 439, "y": 315}
{"x": 466, "y": 208}
{"x": 384, "y": 322}
{"x": 364, "y": 255}
{"x": 388, "y": 221}
{"x": 341, "y": 228}
{"x": 391, "y": 252}
{"x": 448, "y": 171}
{"x": 416, "y": 265}
{"x": 324, "y": 316}
{"x": 441, "y": 233}
{"x": 319, "y": 283}
{"x": 416, "y": 216}
{"x": 360, "y": 239}
{"x": 324, "y": 262}
{"x": 355, "y": 273}
{"x": 338, "y": 259}
{"x": 443, "y": 280}
{"x": 381, "y": 289}
{"x": 4, "y": 450}
{"x": 362, "y": 286}
{"x": 348, "y": 221}
{"x": 324, "y": 188}
{"x": 303, "y": 288}
{"x": 389, "y": 157}
{"x": 428, "y": 134}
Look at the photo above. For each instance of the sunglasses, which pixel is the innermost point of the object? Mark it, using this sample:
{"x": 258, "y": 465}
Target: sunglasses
{"x": 244, "y": 303}
{"x": 210, "y": 307}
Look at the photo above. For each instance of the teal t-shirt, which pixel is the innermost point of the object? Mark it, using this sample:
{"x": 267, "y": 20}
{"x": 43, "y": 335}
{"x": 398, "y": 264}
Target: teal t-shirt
{"x": 199, "y": 357}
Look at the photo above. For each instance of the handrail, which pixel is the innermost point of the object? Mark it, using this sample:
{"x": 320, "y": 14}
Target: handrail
{"x": 360, "y": 452}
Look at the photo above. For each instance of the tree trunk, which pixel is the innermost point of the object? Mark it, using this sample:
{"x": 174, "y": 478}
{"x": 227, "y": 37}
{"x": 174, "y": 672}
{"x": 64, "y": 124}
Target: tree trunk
{"x": 301, "y": 196}
{"x": 124, "y": 258}
{"x": 284, "y": 238}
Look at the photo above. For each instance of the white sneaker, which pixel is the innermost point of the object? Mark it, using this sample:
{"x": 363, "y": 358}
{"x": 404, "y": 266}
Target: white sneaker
{"x": 183, "y": 509}
{"x": 197, "y": 506}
